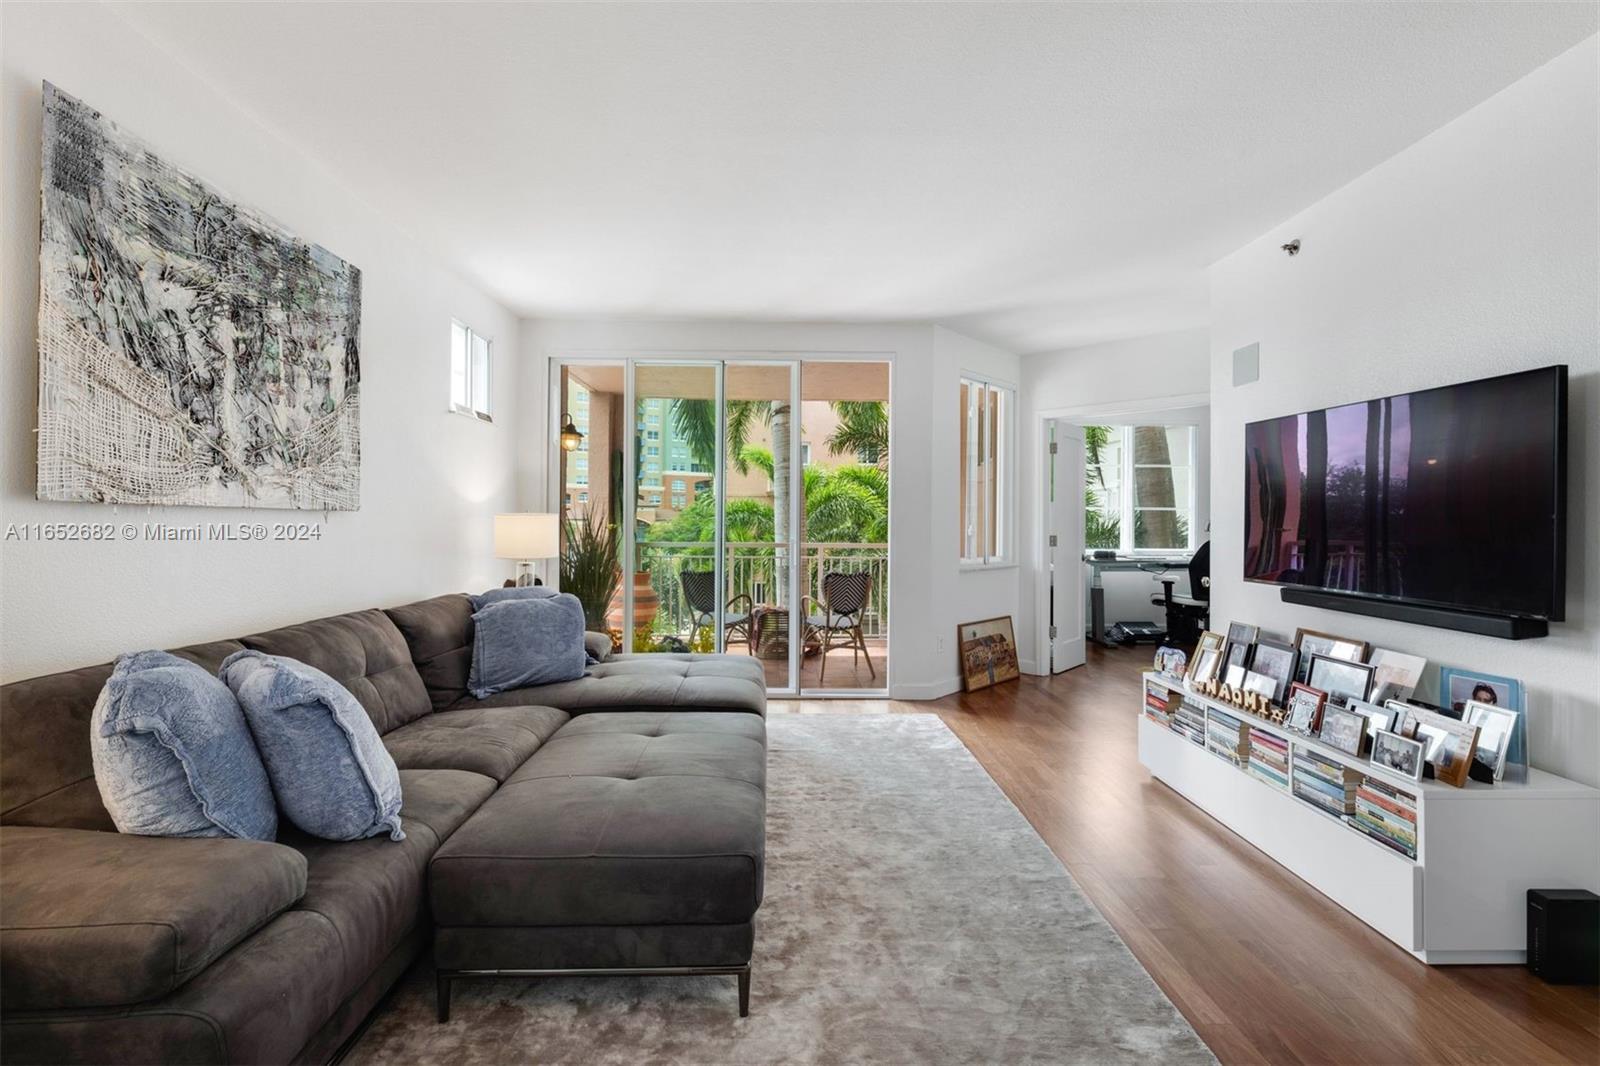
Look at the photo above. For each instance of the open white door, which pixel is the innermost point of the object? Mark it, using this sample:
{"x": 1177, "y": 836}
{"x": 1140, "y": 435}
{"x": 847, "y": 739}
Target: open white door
{"x": 1064, "y": 544}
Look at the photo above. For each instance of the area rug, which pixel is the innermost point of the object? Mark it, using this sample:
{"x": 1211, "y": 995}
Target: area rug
{"x": 911, "y": 915}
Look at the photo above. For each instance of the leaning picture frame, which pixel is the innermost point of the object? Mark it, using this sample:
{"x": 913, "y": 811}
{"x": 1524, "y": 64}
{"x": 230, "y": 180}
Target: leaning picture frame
{"x": 1459, "y": 686}
{"x": 1341, "y": 679}
{"x": 1343, "y": 729}
{"x": 1206, "y": 662}
{"x": 1398, "y": 754}
{"x": 1309, "y": 642}
{"x": 1275, "y": 659}
{"x": 1496, "y": 726}
{"x": 1304, "y": 708}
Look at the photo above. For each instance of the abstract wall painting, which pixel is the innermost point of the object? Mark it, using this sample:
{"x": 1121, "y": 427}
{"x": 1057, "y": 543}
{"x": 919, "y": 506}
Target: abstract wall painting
{"x": 191, "y": 351}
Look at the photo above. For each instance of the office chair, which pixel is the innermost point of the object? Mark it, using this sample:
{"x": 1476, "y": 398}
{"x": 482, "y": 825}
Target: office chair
{"x": 1188, "y": 616}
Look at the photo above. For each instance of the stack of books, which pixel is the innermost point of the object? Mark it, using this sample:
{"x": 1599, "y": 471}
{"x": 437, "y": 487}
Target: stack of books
{"x": 1387, "y": 815}
{"x": 1269, "y": 758}
{"x": 1327, "y": 785}
{"x": 1190, "y": 721}
{"x": 1156, "y": 696}
{"x": 1227, "y": 737}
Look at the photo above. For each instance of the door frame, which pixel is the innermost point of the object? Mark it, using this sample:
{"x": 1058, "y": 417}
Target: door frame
{"x": 1080, "y": 414}
{"x": 723, "y": 357}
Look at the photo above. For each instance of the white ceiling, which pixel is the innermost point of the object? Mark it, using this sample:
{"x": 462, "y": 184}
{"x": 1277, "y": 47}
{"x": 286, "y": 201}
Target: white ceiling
{"x": 1036, "y": 175}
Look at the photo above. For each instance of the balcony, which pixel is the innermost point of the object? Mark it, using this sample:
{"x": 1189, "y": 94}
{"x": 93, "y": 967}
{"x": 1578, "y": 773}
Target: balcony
{"x": 750, "y": 571}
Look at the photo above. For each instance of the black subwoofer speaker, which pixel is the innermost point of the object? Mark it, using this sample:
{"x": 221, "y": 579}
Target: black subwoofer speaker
{"x": 1564, "y": 935}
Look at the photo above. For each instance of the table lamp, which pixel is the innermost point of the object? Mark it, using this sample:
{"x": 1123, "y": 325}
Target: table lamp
{"x": 526, "y": 537}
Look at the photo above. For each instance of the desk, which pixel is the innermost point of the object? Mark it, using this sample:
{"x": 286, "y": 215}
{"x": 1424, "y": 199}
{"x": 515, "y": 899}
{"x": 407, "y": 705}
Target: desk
{"x": 1154, "y": 564}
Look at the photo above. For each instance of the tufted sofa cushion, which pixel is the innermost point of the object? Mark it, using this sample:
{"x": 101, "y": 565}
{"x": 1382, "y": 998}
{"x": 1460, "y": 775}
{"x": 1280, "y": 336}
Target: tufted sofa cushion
{"x": 620, "y": 819}
{"x": 651, "y": 683}
{"x": 492, "y": 741}
{"x": 365, "y": 653}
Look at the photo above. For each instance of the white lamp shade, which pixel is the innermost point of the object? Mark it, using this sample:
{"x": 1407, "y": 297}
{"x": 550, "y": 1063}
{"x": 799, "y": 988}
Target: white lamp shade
{"x": 526, "y": 536}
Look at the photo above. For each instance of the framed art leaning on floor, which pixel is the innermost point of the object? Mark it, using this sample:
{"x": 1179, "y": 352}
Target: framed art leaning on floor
{"x": 988, "y": 653}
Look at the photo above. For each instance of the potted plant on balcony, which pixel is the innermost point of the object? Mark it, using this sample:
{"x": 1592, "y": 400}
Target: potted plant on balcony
{"x": 589, "y": 567}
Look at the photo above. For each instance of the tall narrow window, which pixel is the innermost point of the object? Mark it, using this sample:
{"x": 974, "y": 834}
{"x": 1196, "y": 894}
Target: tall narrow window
{"x": 469, "y": 372}
{"x": 985, "y": 455}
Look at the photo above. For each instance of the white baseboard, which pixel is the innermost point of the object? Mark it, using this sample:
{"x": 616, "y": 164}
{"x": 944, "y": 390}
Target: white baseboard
{"x": 1028, "y": 666}
{"x": 930, "y": 690}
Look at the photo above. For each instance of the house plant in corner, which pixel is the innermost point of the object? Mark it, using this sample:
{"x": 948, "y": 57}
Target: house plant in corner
{"x": 589, "y": 567}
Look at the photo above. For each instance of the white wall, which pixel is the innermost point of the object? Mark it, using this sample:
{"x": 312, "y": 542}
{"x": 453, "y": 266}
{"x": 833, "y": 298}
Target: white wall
{"x": 976, "y": 592}
{"x": 1470, "y": 254}
{"x": 930, "y": 595}
{"x": 431, "y": 480}
{"x": 1139, "y": 374}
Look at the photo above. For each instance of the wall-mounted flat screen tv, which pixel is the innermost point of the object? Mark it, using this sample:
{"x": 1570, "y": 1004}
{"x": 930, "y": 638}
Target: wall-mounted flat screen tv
{"x": 1451, "y": 497}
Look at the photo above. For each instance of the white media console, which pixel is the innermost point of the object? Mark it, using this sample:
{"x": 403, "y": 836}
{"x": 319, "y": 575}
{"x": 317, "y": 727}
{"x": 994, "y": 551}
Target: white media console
{"x": 1479, "y": 848}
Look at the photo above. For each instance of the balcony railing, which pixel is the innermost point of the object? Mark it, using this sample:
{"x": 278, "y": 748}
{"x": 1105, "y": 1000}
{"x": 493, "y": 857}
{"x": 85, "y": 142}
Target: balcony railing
{"x": 751, "y": 569}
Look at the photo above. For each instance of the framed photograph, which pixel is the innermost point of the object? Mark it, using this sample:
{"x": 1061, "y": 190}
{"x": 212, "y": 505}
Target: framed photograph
{"x": 1309, "y": 642}
{"x": 1378, "y": 718}
{"x": 1395, "y": 675}
{"x": 1459, "y": 687}
{"x": 1449, "y": 745}
{"x": 1305, "y": 709}
{"x": 1343, "y": 729}
{"x": 1261, "y": 685}
{"x": 1400, "y": 754}
{"x": 1404, "y": 724}
{"x": 1206, "y": 662}
{"x": 1342, "y": 681}
{"x": 1496, "y": 726}
{"x": 1237, "y": 650}
{"x": 1171, "y": 662}
{"x": 988, "y": 653}
{"x": 1276, "y": 660}
{"x": 1234, "y": 676}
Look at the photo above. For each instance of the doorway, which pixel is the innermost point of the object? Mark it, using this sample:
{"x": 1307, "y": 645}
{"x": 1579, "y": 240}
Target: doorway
{"x": 733, "y": 505}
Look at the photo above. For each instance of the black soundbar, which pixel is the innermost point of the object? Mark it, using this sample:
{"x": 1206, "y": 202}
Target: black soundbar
{"x": 1507, "y": 626}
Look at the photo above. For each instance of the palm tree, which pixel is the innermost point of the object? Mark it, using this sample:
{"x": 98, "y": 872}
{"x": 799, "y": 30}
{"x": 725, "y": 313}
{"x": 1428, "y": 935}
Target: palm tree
{"x": 695, "y": 422}
{"x": 863, "y": 429}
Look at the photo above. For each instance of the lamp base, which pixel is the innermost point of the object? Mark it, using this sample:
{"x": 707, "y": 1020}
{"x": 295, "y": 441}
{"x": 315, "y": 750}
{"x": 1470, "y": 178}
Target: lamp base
{"x": 525, "y": 575}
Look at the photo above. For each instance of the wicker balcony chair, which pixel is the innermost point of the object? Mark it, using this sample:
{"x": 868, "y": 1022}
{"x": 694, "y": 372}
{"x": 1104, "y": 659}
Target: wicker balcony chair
{"x": 834, "y": 621}
{"x": 700, "y": 593}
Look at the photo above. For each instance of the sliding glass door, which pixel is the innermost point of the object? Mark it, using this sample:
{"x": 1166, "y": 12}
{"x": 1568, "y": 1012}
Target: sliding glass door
{"x": 731, "y": 505}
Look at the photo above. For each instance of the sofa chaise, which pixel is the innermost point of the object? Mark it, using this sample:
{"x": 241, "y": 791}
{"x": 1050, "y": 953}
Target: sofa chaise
{"x": 611, "y": 824}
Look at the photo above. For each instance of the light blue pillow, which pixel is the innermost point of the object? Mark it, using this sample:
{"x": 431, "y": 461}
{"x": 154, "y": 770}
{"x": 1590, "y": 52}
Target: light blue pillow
{"x": 527, "y": 641}
{"x": 173, "y": 756}
{"x": 515, "y": 592}
{"x": 331, "y": 773}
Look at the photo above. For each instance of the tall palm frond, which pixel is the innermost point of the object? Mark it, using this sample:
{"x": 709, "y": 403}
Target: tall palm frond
{"x": 863, "y": 430}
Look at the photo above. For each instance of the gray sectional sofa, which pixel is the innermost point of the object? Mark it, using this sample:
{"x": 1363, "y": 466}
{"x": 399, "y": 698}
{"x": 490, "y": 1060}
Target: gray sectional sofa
{"x": 613, "y": 824}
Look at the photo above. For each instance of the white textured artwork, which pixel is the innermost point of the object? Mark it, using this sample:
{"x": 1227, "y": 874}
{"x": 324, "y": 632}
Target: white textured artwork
{"x": 190, "y": 350}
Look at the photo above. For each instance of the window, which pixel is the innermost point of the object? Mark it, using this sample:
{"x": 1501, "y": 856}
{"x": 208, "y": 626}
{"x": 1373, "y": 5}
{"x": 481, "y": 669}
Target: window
{"x": 1139, "y": 483}
{"x": 985, "y": 478}
{"x": 469, "y": 372}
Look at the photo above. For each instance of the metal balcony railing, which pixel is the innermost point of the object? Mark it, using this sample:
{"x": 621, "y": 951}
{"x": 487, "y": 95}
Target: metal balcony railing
{"x": 753, "y": 567}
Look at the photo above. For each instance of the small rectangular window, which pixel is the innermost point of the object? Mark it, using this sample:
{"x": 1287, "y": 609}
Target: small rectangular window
{"x": 470, "y": 372}
{"x": 984, "y": 458}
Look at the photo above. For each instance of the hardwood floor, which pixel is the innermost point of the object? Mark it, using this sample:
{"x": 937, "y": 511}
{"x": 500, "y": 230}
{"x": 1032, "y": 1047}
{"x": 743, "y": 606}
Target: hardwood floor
{"x": 1265, "y": 968}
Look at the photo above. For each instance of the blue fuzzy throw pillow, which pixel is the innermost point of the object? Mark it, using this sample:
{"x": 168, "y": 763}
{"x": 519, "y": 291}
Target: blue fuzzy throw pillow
{"x": 515, "y": 592}
{"x": 527, "y": 641}
{"x": 332, "y": 774}
{"x": 173, "y": 756}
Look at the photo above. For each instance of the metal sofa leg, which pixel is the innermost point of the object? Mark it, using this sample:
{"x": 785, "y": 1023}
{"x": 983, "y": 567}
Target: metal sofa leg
{"x": 443, "y": 979}
{"x": 744, "y": 992}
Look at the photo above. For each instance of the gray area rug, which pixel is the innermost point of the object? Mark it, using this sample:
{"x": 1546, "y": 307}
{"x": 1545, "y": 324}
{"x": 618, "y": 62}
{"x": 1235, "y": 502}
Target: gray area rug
{"x": 911, "y": 915}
